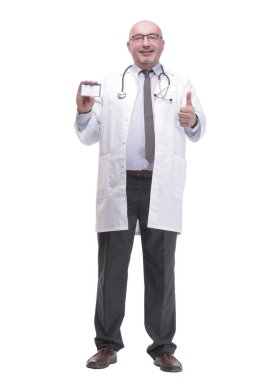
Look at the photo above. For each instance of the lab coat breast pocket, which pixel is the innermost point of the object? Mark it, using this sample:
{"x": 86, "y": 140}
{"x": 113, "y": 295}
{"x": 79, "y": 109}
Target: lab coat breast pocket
{"x": 103, "y": 176}
{"x": 178, "y": 176}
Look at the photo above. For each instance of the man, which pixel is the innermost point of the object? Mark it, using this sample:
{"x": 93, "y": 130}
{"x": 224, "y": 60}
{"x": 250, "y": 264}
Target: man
{"x": 141, "y": 122}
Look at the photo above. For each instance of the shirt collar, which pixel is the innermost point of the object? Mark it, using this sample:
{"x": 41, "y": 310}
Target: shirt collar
{"x": 136, "y": 69}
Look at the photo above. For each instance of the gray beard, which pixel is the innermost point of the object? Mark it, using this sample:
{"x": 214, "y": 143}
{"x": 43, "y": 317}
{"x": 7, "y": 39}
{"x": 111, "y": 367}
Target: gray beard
{"x": 147, "y": 60}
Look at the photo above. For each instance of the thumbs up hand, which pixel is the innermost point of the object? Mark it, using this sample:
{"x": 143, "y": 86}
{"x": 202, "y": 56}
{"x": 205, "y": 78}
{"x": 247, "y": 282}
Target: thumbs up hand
{"x": 187, "y": 117}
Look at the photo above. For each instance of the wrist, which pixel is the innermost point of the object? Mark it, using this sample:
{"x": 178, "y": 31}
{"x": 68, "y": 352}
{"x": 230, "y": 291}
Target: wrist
{"x": 196, "y": 122}
{"x": 83, "y": 112}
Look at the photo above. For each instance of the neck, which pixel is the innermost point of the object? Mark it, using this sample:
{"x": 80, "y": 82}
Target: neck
{"x": 147, "y": 65}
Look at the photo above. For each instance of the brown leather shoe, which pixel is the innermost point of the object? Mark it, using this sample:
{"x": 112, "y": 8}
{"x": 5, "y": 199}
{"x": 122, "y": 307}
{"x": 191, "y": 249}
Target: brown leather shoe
{"x": 103, "y": 358}
{"x": 168, "y": 363}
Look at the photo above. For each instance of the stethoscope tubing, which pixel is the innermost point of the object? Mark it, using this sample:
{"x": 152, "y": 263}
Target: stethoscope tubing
{"x": 122, "y": 94}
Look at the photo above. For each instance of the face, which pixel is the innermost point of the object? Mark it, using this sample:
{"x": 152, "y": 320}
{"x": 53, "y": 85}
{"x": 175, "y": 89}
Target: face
{"x": 146, "y": 53}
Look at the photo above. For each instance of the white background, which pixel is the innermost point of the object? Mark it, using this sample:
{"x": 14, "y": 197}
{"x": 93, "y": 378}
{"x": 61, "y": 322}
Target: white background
{"x": 48, "y": 244}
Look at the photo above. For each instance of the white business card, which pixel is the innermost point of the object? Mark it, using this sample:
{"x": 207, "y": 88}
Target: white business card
{"x": 91, "y": 89}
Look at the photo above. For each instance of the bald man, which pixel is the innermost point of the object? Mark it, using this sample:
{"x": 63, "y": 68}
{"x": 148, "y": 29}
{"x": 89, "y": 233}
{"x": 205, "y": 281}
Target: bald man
{"x": 141, "y": 122}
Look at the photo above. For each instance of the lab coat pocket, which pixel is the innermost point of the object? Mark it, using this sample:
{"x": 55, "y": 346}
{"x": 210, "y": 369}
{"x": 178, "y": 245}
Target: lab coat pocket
{"x": 103, "y": 176}
{"x": 178, "y": 176}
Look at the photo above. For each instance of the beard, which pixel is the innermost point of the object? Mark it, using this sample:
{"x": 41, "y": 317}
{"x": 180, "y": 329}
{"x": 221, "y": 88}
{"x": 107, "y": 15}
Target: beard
{"x": 147, "y": 60}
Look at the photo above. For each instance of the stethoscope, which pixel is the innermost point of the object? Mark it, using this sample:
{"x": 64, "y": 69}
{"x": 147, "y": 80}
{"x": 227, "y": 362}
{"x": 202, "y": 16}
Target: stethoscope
{"x": 160, "y": 95}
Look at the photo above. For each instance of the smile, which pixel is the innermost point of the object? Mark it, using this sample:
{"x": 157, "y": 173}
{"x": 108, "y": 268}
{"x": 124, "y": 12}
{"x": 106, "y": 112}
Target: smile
{"x": 146, "y": 52}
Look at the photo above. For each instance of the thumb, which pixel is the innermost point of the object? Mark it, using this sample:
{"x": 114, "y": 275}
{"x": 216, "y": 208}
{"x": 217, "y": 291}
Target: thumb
{"x": 189, "y": 99}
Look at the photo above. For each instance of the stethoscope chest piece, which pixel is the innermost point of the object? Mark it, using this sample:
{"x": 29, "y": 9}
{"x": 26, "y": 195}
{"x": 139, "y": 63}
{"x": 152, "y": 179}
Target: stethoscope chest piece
{"x": 121, "y": 95}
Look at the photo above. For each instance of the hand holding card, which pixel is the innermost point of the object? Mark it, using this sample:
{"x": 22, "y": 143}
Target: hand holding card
{"x": 86, "y": 94}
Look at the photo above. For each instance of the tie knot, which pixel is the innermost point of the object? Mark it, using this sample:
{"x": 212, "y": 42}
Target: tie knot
{"x": 147, "y": 72}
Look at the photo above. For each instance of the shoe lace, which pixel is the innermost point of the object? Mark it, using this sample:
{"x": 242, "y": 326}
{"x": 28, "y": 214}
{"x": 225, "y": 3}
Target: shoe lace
{"x": 105, "y": 351}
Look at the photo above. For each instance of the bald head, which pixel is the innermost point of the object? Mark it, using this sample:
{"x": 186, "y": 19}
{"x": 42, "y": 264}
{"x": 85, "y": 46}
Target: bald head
{"x": 145, "y": 27}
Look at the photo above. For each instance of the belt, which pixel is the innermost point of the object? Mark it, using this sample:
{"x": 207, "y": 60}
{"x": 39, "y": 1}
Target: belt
{"x": 140, "y": 173}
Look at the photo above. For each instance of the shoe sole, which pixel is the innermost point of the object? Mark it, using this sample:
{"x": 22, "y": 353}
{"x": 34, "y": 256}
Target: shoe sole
{"x": 101, "y": 366}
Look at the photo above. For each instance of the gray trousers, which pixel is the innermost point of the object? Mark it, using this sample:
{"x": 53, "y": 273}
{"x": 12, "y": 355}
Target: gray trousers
{"x": 114, "y": 251}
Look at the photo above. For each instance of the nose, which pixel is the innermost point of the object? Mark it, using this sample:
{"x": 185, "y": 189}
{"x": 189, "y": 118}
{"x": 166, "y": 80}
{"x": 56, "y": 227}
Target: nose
{"x": 146, "y": 41}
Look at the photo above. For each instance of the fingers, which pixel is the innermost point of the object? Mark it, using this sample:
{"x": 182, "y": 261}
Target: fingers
{"x": 184, "y": 116}
{"x": 90, "y": 82}
{"x": 185, "y": 119}
{"x": 189, "y": 99}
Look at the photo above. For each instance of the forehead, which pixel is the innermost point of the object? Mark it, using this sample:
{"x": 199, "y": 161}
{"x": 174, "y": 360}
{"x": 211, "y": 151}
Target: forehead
{"x": 145, "y": 28}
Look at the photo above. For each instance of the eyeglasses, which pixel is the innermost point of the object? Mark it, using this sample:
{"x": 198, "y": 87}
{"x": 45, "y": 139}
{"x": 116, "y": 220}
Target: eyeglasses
{"x": 150, "y": 37}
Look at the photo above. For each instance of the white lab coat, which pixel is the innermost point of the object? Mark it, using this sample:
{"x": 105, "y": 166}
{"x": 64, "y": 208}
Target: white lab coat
{"x": 109, "y": 125}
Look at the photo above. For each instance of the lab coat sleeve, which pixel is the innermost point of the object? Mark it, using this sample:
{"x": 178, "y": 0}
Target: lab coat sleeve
{"x": 82, "y": 120}
{"x": 194, "y": 134}
{"x": 87, "y": 126}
